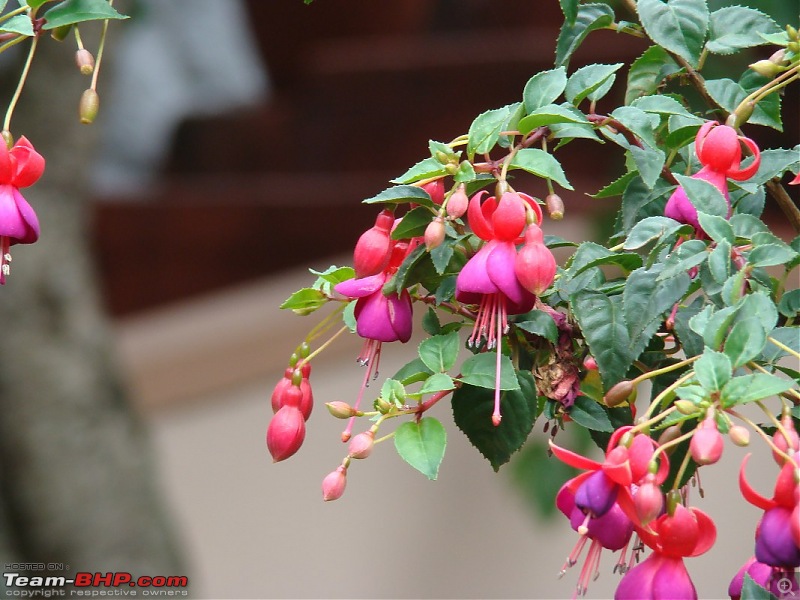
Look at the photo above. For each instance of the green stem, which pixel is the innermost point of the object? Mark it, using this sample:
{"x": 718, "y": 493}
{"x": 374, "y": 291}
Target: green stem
{"x": 21, "y": 84}
{"x": 783, "y": 347}
{"x": 667, "y": 369}
{"x": 325, "y": 345}
{"x": 761, "y": 433}
{"x": 657, "y": 400}
{"x": 682, "y": 470}
{"x": 14, "y": 42}
{"x": 13, "y": 13}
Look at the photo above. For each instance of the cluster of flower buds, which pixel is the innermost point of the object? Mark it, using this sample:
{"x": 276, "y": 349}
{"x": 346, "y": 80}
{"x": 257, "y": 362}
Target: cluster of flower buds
{"x": 292, "y": 401}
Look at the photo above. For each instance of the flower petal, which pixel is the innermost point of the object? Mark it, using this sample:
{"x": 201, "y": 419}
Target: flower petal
{"x": 474, "y": 278}
{"x": 358, "y": 288}
{"x": 373, "y": 320}
{"x": 12, "y": 222}
{"x": 749, "y": 493}
{"x": 478, "y": 218}
{"x": 29, "y": 163}
{"x": 29, "y": 217}
{"x": 572, "y": 459}
{"x": 400, "y": 313}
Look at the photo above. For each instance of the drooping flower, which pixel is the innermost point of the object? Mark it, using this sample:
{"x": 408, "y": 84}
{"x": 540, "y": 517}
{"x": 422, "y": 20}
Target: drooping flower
{"x": 489, "y": 279}
{"x": 779, "y": 582}
{"x": 672, "y": 537}
{"x": 719, "y": 151}
{"x": 379, "y": 317}
{"x": 707, "y": 442}
{"x": 21, "y": 166}
{"x": 295, "y": 380}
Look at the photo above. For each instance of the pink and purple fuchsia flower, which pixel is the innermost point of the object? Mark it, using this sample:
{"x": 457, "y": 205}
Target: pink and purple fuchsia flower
{"x": 21, "y": 166}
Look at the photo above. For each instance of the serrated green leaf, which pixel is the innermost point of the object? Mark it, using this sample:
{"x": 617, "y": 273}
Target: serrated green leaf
{"x": 539, "y": 323}
{"x": 719, "y": 262}
{"x": 648, "y": 72}
{"x": 570, "y": 9}
{"x": 402, "y": 194}
{"x": 729, "y": 94}
{"x": 413, "y": 224}
{"x": 572, "y": 34}
{"x": 549, "y": 115}
{"x": 541, "y": 163}
{"x": 330, "y": 277}
{"x": 440, "y": 352}
{"x": 744, "y": 226}
{"x": 716, "y": 227}
{"x": 749, "y": 388}
{"x": 649, "y": 162}
{"x": 735, "y": 27}
{"x": 774, "y": 163}
{"x": 689, "y": 254}
{"x": 422, "y": 444}
{"x": 544, "y": 88}
{"x": 465, "y": 173}
{"x": 304, "y": 301}
{"x": 441, "y": 256}
{"x": 437, "y": 148}
{"x": 78, "y": 11}
{"x": 649, "y": 229}
{"x": 704, "y": 196}
{"x": 713, "y": 370}
{"x": 484, "y": 132}
{"x": 768, "y": 255}
{"x": 662, "y": 105}
{"x": 479, "y": 370}
{"x": 640, "y": 123}
{"x": 680, "y": 26}
{"x": 424, "y": 169}
{"x": 588, "y": 82}
{"x": 566, "y": 132}
{"x": 616, "y": 187}
{"x": 20, "y": 24}
{"x": 588, "y": 413}
{"x": 413, "y": 372}
{"x": 430, "y": 322}
{"x": 752, "y": 591}
{"x": 645, "y": 301}
{"x": 472, "y": 413}
{"x": 788, "y": 336}
{"x": 438, "y": 382}
{"x": 789, "y": 305}
{"x": 745, "y": 341}
{"x": 603, "y": 326}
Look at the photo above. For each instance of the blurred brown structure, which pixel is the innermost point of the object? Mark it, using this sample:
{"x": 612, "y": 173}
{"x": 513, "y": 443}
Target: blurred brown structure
{"x": 359, "y": 88}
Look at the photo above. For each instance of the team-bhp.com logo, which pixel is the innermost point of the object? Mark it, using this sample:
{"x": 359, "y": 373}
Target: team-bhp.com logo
{"x": 95, "y": 584}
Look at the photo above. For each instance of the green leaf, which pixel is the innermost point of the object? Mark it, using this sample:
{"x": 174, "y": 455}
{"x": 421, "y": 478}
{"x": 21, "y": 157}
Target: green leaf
{"x": 77, "y": 11}
{"x": 713, "y": 370}
{"x": 745, "y": 341}
{"x": 472, "y": 413}
{"x": 570, "y": 9}
{"x": 788, "y": 336}
{"x": 649, "y": 162}
{"x": 647, "y": 73}
{"x": 430, "y": 322}
{"x": 549, "y": 115}
{"x": 572, "y": 34}
{"x": 440, "y": 352}
{"x": 541, "y": 163}
{"x": 703, "y": 195}
{"x": 20, "y": 24}
{"x": 749, "y": 388}
{"x": 413, "y": 224}
{"x": 729, "y": 94}
{"x": 402, "y": 194}
{"x": 441, "y": 255}
{"x": 591, "y": 81}
{"x": 539, "y": 323}
{"x": 662, "y": 105}
{"x": 735, "y": 27}
{"x": 774, "y": 163}
{"x": 680, "y": 26}
{"x": 413, "y": 372}
{"x": 744, "y": 226}
{"x": 566, "y": 132}
{"x": 649, "y": 229}
{"x": 768, "y": 255}
{"x": 305, "y": 301}
{"x": 484, "y": 132}
{"x": 616, "y": 187}
{"x": 421, "y": 444}
{"x": 424, "y": 169}
{"x": 330, "y": 277}
{"x": 752, "y": 591}
{"x": 719, "y": 262}
{"x": 603, "y": 326}
{"x": 543, "y": 88}
{"x": 642, "y": 124}
{"x": 689, "y": 254}
{"x": 438, "y": 382}
{"x": 479, "y": 371}
{"x": 465, "y": 173}
{"x": 645, "y": 301}
{"x": 588, "y": 413}
{"x": 717, "y": 227}
{"x": 789, "y": 305}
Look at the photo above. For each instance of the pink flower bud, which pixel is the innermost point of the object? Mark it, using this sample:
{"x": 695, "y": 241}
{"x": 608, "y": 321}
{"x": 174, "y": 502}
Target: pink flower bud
{"x": 458, "y": 203}
{"x": 555, "y": 206}
{"x": 707, "y": 443}
{"x": 361, "y": 445}
{"x": 535, "y": 266}
{"x": 589, "y": 363}
{"x": 789, "y": 445}
{"x": 334, "y": 483}
{"x": 374, "y": 247}
{"x": 434, "y": 233}
{"x": 282, "y": 385}
{"x": 85, "y": 61}
{"x": 435, "y": 190}
{"x": 649, "y": 500}
{"x": 739, "y": 435}
{"x": 285, "y": 433}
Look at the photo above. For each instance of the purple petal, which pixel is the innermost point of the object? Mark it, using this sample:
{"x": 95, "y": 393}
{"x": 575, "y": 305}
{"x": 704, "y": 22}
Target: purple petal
{"x": 637, "y": 583}
{"x": 774, "y": 543}
{"x": 473, "y": 281}
{"x": 12, "y": 222}
{"x": 596, "y": 495}
{"x": 657, "y": 578}
{"x": 29, "y": 217}
{"x": 358, "y": 288}
{"x": 680, "y": 208}
{"x": 613, "y": 530}
{"x": 565, "y": 500}
{"x": 400, "y": 312}
{"x": 500, "y": 267}
{"x": 373, "y": 320}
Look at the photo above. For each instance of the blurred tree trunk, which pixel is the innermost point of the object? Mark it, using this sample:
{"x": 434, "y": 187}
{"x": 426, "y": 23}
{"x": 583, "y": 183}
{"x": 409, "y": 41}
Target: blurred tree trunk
{"x": 78, "y": 484}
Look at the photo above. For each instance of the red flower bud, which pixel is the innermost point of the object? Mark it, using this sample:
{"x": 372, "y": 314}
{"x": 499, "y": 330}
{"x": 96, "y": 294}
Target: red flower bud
{"x": 649, "y": 500}
{"x": 374, "y": 247}
{"x": 589, "y": 363}
{"x": 789, "y": 445}
{"x": 535, "y": 266}
{"x": 707, "y": 443}
{"x": 361, "y": 445}
{"x": 285, "y": 433}
{"x": 435, "y": 190}
{"x": 334, "y": 483}
{"x": 434, "y": 233}
{"x": 458, "y": 203}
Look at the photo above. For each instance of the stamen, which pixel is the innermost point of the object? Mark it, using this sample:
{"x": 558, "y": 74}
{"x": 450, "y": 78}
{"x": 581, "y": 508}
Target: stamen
{"x": 369, "y": 357}
{"x": 496, "y": 416}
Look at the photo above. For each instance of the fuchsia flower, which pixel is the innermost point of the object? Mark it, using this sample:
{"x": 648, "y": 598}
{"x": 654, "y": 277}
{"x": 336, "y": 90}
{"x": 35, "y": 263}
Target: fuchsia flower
{"x": 717, "y": 146}
{"x": 600, "y": 501}
{"x": 662, "y": 575}
{"x": 489, "y": 279}
{"x": 379, "y": 317}
{"x": 780, "y": 583}
{"x": 374, "y": 247}
{"x": 21, "y": 166}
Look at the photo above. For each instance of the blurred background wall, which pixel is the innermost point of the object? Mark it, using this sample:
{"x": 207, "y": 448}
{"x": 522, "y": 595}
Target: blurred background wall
{"x": 236, "y": 141}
